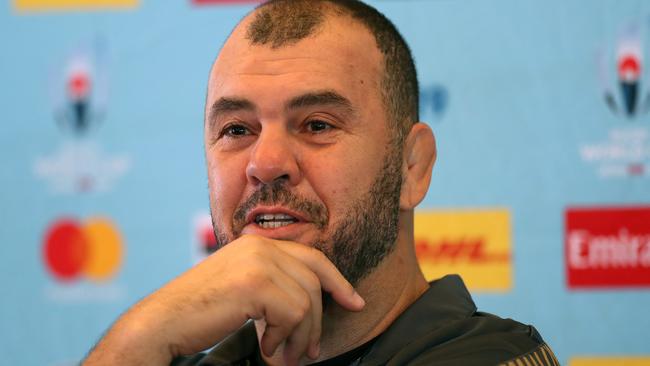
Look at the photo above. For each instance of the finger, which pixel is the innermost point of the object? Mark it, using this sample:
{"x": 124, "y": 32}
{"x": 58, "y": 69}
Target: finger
{"x": 277, "y": 331}
{"x": 331, "y": 279}
{"x": 297, "y": 343}
{"x": 310, "y": 283}
{"x": 293, "y": 316}
{"x": 306, "y": 290}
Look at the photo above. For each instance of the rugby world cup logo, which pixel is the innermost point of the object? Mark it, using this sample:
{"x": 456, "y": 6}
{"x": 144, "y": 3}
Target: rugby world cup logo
{"x": 77, "y": 114}
{"x": 629, "y": 72}
{"x": 79, "y": 94}
{"x": 625, "y": 90}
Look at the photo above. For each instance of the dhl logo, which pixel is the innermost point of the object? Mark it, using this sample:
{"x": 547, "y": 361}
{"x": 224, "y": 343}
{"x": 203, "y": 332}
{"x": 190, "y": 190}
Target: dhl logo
{"x": 47, "y": 5}
{"x": 475, "y": 244}
{"x": 470, "y": 250}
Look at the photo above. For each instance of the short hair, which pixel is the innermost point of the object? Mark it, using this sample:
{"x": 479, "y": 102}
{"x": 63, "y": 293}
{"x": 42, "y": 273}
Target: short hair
{"x": 283, "y": 22}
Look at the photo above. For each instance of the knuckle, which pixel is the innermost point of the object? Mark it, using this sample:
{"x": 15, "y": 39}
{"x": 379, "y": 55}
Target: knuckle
{"x": 312, "y": 282}
{"x": 298, "y": 314}
{"x": 317, "y": 253}
{"x": 305, "y": 306}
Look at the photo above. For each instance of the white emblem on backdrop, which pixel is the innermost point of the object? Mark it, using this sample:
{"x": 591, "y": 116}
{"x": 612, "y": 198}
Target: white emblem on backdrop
{"x": 79, "y": 94}
{"x": 625, "y": 152}
{"x": 624, "y": 80}
{"x": 81, "y": 166}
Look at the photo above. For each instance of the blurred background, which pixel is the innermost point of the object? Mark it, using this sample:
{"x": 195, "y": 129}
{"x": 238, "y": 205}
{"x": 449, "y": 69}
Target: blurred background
{"x": 540, "y": 197}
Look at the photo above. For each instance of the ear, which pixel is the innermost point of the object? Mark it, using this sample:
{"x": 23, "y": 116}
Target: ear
{"x": 419, "y": 157}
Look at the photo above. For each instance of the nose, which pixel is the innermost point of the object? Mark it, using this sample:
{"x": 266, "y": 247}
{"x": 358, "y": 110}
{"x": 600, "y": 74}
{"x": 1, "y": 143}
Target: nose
{"x": 273, "y": 158}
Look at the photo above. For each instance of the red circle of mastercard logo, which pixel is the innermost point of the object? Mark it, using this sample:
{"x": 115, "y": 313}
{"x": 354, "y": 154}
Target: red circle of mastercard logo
{"x": 91, "y": 249}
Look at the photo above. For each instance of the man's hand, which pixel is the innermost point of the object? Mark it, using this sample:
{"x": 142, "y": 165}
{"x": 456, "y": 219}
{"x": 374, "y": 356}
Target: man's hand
{"x": 251, "y": 278}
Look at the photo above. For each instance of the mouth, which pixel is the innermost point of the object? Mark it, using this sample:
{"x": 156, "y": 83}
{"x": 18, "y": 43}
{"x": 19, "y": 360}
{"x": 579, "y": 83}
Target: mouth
{"x": 274, "y": 217}
{"x": 274, "y": 220}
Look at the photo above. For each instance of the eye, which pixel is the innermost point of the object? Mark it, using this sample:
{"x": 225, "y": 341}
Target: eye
{"x": 235, "y": 131}
{"x": 316, "y": 126}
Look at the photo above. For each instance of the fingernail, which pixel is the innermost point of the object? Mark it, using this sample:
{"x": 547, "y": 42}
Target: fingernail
{"x": 315, "y": 351}
{"x": 358, "y": 299}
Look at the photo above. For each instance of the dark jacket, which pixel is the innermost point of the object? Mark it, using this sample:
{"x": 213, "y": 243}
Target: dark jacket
{"x": 441, "y": 328}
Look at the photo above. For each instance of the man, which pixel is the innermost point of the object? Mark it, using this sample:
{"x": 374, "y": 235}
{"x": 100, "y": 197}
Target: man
{"x": 315, "y": 164}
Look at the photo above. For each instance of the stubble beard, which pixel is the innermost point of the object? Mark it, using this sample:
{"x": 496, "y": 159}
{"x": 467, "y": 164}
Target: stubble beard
{"x": 360, "y": 242}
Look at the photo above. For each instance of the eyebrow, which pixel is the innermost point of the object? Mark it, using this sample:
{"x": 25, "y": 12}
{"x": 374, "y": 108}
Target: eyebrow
{"x": 325, "y": 97}
{"x": 226, "y": 104}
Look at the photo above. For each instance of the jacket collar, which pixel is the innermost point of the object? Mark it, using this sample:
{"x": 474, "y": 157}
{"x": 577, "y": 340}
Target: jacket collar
{"x": 446, "y": 300}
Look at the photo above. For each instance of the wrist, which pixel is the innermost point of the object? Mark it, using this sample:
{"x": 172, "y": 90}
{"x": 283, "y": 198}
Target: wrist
{"x": 131, "y": 341}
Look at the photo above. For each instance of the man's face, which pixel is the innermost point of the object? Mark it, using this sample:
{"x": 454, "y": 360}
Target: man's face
{"x": 297, "y": 145}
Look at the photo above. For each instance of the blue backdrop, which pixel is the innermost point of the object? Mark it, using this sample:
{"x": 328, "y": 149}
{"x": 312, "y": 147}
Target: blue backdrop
{"x": 516, "y": 92}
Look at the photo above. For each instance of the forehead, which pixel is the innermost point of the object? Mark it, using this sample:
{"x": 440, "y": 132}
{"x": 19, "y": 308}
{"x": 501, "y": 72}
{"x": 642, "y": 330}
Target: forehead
{"x": 340, "y": 55}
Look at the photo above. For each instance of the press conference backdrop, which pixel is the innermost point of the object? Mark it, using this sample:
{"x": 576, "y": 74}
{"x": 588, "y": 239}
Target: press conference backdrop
{"x": 540, "y": 197}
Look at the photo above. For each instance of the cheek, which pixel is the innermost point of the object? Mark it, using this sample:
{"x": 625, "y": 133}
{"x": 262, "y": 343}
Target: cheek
{"x": 226, "y": 188}
{"x": 343, "y": 179}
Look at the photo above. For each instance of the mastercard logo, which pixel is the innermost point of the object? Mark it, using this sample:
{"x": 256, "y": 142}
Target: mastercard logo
{"x": 92, "y": 249}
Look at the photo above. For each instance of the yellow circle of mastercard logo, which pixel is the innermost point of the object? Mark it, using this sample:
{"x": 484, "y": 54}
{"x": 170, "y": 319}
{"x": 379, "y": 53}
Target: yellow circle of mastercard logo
{"x": 91, "y": 249}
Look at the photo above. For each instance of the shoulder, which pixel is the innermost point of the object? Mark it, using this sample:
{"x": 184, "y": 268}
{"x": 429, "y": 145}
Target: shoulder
{"x": 482, "y": 339}
{"x": 443, "y": 327}
{"x": 540, "y": 356}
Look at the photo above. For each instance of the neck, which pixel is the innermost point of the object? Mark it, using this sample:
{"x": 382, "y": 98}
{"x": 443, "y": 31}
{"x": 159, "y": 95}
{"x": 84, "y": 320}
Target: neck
{"x": 388, "y": 290}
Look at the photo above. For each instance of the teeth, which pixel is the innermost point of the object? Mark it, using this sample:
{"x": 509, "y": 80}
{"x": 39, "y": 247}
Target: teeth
{"x": 274, "y": 224}
{"x": 272, "y": 221}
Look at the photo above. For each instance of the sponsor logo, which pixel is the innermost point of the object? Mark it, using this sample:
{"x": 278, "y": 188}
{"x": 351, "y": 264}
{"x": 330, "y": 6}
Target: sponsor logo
{"x": 607, "y": 247}
{"x": 83, "y": 257}
{"x": 434, "y": 100}
{"x": 203, "y": 240}
{"x": 45, "y": 5}
{"x": 474, "y": 244}
{"x": 79, "y": 97}
{"x": 625, "y": 151}
{"x": 91, "y": 249}
{"x": 610, "y": 361}
{"x": 621, "y": 74}
{"x": 223, "y": 2}
{"x": 79, "y": 111}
